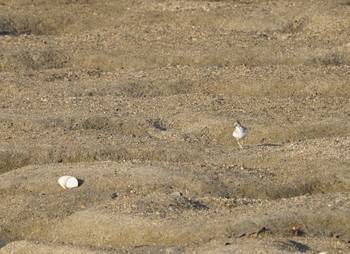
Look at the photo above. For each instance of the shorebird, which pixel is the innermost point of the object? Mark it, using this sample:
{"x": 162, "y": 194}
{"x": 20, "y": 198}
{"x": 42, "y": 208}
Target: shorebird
{"x": 240, "y": 132}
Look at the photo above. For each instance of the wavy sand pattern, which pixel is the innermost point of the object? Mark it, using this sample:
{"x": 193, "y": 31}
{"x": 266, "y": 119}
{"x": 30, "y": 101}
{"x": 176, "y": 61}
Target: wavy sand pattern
{"x": 138, "y": 99}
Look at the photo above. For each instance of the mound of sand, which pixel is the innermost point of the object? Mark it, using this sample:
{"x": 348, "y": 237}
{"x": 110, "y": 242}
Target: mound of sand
{"x": 138, "y": 100}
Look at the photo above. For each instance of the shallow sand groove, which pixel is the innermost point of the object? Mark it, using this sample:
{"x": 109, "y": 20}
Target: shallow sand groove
{"x": 138, "y": 100}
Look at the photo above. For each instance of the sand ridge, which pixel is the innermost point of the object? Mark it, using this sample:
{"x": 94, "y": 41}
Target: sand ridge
{"x": 138, "y": 101}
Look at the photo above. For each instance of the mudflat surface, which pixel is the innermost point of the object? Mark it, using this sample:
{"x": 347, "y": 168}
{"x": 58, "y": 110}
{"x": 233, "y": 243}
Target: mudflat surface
{"x": 137, "y": 99}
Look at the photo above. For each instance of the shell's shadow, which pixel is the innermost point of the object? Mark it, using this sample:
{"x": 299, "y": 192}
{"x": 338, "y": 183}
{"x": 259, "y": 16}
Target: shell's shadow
{"x": 80, "y": 182}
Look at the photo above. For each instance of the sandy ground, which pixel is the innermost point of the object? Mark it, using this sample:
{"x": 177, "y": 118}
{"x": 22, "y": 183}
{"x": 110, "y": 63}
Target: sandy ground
{"x": 137, "y": 99}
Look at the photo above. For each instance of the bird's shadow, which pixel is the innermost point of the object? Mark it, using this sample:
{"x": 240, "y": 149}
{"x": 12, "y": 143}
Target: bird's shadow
{"x": 2, "y": 243}
{"x": 269, "y": 145}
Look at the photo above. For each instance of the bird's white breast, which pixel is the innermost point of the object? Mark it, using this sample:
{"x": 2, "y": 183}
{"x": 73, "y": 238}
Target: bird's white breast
{"x": 240, "y": 132}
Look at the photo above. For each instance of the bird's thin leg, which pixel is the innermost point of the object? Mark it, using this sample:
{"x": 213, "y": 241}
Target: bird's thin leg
{"x": 239, "y": 144}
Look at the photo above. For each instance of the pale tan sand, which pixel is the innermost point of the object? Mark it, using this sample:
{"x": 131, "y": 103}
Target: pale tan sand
{"x": 138, "y": 101}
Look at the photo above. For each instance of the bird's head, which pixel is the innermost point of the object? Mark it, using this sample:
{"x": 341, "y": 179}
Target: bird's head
{"x": 237, "y": 123}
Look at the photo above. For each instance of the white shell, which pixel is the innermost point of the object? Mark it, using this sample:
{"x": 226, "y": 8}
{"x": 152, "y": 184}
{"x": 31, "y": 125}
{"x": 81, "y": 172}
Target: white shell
{"x": 68, "y": 182}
